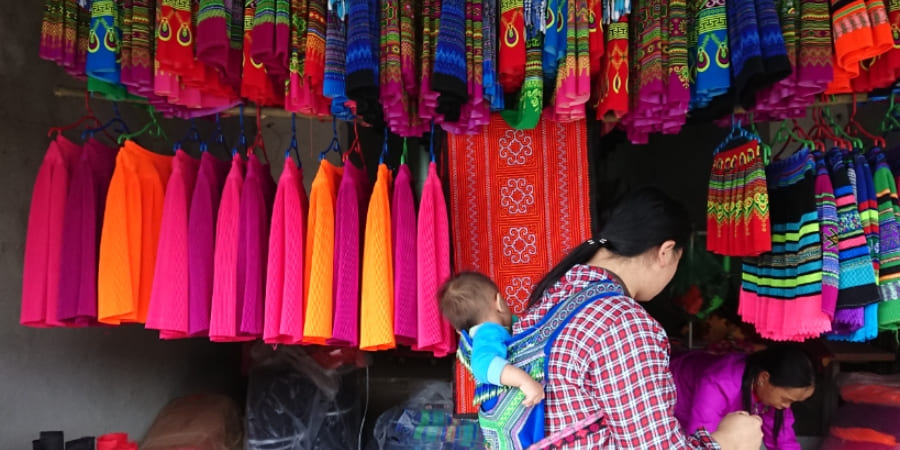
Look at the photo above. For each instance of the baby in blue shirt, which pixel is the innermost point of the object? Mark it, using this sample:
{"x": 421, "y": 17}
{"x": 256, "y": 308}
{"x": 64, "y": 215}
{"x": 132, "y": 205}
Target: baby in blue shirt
{"x": 471, "y": 301}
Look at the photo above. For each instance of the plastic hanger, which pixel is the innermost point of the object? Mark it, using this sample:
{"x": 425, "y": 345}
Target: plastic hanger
{"x": 88, "y": 117}
{"x": 153, "y": 127}
{"x": 405, "y": 151}
{"x": 242, "y": 140}
{"x": 384, "y": 147}
{"x": 218, "y": 135}
{"x": 821, "y": 130}
{"x": 854, "y": 127}
{"x": 838, "y": 130}
{"x": 764, "y": 148}
{"x": 431, "y": 144}
{"x": 890, "y": 123}
{"x": 787, "y": 135}
{"x": 335, "y": 144}
{"x": 258, "y": 142}
{"x": 355, "y": 148}
{"x": 192, "y": 135}
{"x": 293, "y": 145}
{"x": 116, "y": 120}
{"x": 737, "y": 132}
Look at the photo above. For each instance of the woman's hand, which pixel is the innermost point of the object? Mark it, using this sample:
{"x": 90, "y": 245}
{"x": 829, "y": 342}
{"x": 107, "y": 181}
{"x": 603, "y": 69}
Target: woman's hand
{"x": 739, "y": 431}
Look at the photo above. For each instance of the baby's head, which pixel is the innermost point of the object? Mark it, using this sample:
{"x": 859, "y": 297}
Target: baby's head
{"x": 471, "y": 298}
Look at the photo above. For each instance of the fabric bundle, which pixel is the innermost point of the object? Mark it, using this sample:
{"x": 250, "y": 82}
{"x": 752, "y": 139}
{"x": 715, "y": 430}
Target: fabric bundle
{"x": 737, "y": 208}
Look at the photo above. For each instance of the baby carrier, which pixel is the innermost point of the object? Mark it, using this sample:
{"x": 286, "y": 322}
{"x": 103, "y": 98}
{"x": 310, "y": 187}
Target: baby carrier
{"x": 505, "y": 423}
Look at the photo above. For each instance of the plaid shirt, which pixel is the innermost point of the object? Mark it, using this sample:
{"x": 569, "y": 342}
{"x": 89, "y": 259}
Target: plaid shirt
{"x": 611, "y": 357}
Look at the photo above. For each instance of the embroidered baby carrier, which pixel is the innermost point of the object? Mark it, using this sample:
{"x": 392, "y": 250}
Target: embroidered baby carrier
{"x": 505, "y": 423}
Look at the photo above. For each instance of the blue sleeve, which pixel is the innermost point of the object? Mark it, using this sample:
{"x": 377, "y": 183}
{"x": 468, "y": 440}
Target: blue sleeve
{"x": 489, "y": 353}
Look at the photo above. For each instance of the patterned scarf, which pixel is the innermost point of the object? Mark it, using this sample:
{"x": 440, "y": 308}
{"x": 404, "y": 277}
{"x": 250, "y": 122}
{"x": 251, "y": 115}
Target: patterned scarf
{"x": 104, "y": 42}
{"x": 450, "y": 77}
{"x": 512, "y": 48}
{"x": 427, "y": 96}
{"x": 531, "y": 98}
{"x": 613, "y": 82}
{"x": 493, "y": 91}
{"x": 362, "y": 61}
{"x": 335, "y": 56}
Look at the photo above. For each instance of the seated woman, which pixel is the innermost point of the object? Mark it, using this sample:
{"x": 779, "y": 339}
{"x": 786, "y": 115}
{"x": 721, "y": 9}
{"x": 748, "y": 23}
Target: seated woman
{"x": 765, "y": 383}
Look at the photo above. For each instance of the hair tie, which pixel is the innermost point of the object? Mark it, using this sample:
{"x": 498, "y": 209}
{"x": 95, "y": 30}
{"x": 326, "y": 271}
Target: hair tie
{"x": 600, "y": 242}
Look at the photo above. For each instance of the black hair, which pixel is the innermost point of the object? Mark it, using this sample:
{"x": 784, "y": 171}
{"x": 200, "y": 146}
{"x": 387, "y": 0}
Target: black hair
{"x": 638, "y": 221}
{"x": 788, "y": 365}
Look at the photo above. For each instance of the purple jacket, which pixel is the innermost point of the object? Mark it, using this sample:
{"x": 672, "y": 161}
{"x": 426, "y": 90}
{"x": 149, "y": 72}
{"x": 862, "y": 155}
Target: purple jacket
{"x": 709, "y": 387}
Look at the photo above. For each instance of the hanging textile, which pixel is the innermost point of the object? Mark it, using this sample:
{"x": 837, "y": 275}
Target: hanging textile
{"x": 376, "y": 330}
{"x": 228, "y": 284}
{"x": 350, "y": 222}
{"x": 257, "y": 195}
{"x": 85, "y": 201}
{"x": 526, "y": 113}
{"x": 362, "y": 60}
{"x": 709, "y": 62}
{"x": 781, "y": 291}
{"x": 737, "y": 211}
{"x": 314, "y": 61}
{"x": 271, "y": 37}
{"x": 130, "y": 236}
{"x": 403, "y": 236}
{"x": 43, "y": 242}
{"x": 219, "y": 37}
{"x": 435, "y": 334}
{"x": 649, "y": 84}
{"x": 138, "y": 74}
{"x": 102, "y": 60}
{"x": 512, "y": 45}
{"x": 613, "y": 82}
{"x": 201, "y": 243}
{"x": 318, "y": 280}
{"x": 428, "y": 97}
{"x": 573, "y": 83}
{"x": 493, "y": 89}
{"x": 829, "y": 227}
{"x": 449, "y": 78}
{"x": 333, "y": 85}
{"x": 889, "y": 241}
{"x": 256, "y": 84}
{"x": 287, "y": 250}
{"x": 503, "y": 234}
{"x": 169, "y": 309}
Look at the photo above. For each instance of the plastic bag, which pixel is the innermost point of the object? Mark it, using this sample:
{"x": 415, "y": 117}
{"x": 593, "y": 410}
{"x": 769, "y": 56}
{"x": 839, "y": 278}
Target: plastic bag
{"x": 862, "y": 387}
{"x": 196, "y": 422}
{"x": 426, "y": 422}
{"x": 293, "y": 403}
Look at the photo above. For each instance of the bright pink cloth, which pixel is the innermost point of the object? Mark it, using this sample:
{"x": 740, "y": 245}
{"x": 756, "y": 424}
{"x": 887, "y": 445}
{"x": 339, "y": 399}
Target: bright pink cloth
{"x": 223, "y": 324}
{"x": 433, "y": 261}
{"x": 43, "y": 243}
{"x": 253, "y": 241}
{"x": 403, "y": 235}
{"x": 287, "y": 250}
{"x": 349, "y": 221}
{"x": 169, "y": 303}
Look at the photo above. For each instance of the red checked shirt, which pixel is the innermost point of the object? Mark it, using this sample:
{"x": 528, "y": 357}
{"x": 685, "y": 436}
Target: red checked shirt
{"x": 612, "y": 357}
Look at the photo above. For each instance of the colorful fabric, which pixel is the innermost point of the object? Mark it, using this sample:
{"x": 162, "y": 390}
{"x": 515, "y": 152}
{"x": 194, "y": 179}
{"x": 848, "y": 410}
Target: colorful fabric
{"x": 573, "y": 82}
{"x": 449, "y": 77}
{"x": 362, "y": 61}
{"x": 350, "y": 220}
{"x": 746, "y": 53}
{"x": 814, "y": 57}
{"x": 678, "y": 96}
{"x": 607, "y": 373}
{"x": 139, "y": 77}
{"x": 737, "y": 207}
{"x": 104, "y": 42}
{"x": 169, "y": 302}
{"x": 256, "y": 85}
{"x": 506, "y": 238}
{"x": 885, "y": 69}
{"x": 527, "y": 113}
{"x": 493, "y": 89}
{"x": 376, "y": 330}
{"x": 427, "y": 96}
{"x": 271, "y": 37}
{"x": 44, "y": 240}
{"x": 130, "y": 236}
{"x": 227, "y": 282}
{"x": 614, "y": 81}
{"x": 202, "y": 242}
{"x": 85, "y": 201}
{"x": 512, "y": 46}
{"x": 435, "y": 334}
{"x": 710, "y": 386}
{"x": 333, "y": 85}
{"x": 218, "y": 23}
{"x": 711, "y": 64}
{"x": 284, "y": 271}
{"x": 403, "y": 235}
{"x": 852, "y": 35}
{"x": 781, "y": 291}
{"x": 318, "y": 279}
{"x": 857, "y": 284}
{"x": 257, "y": 195}
{"x": 889, "y": 242}
{"x": 829, "y": 226}
{"x": 649, "y": 84}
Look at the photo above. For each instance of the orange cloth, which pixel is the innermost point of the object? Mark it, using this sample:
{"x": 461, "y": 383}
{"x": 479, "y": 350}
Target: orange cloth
{"x": 863, "y": 435}
{"x": 318, "y": 281}
{"x": 875, "y": 394}
{"x": 377, "y": 308}
{"x": 130, "y": 236}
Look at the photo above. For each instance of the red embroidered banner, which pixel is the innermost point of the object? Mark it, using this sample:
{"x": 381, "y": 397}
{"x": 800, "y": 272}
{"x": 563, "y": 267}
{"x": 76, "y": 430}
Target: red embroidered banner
{"x": 519, "y": 201}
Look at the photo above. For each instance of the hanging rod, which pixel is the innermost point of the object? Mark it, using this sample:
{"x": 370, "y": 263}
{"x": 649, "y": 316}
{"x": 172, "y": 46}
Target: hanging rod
{"x": 61, "y": 91}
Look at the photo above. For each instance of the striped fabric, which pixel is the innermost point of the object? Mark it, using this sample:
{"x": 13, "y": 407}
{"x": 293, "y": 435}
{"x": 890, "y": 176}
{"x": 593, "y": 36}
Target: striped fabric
{"x": 889, "y": 244}
{"x": 857, "y": 283}
{"x": 829, "y": 226}
{"x": 781, "y": 293}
